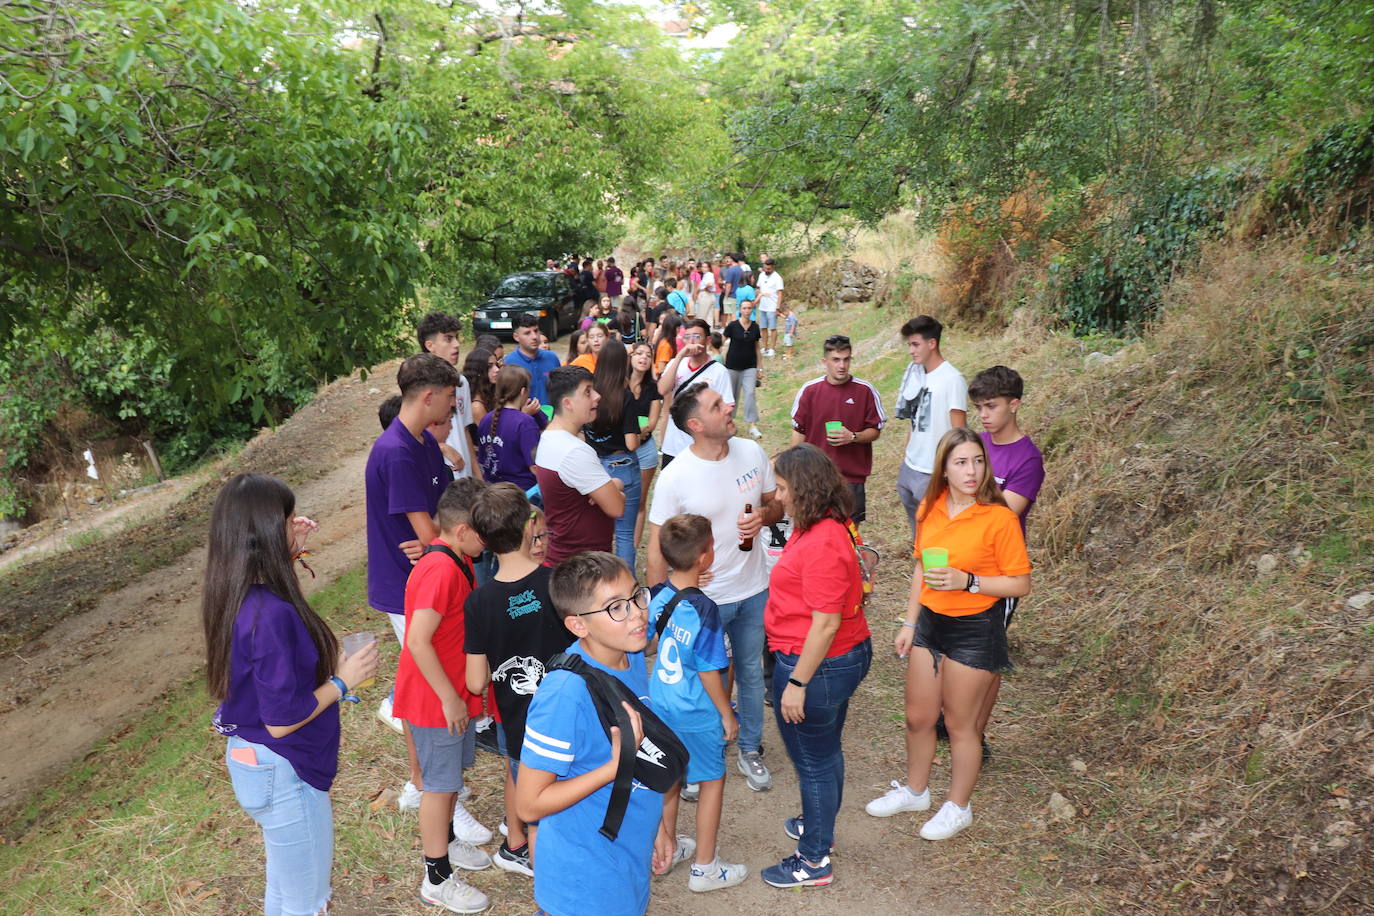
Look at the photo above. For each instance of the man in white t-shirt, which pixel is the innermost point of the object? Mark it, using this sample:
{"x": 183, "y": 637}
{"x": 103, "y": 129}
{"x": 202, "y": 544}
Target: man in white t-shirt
{"x": 581, "y": 501}
{"x": 438, "y": 334}
{"x": 934, "y": 398}
{"x": 769, "y": 285}
{"x": 716, "y": 477}
{"x": 693, "y": 363}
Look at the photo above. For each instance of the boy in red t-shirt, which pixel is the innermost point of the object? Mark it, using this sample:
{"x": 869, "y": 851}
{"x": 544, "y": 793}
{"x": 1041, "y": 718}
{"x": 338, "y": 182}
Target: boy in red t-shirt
{"x": 432, "y": 695}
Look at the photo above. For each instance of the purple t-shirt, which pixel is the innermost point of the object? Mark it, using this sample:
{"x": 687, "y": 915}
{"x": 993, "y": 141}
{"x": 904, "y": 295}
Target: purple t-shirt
{"x": 614, "y": 278}
{"x": 507, "y": 456}
{"x": 1018, "y": 467}
{"x": 402, "y": 476}
{"x": 272, "y": 681}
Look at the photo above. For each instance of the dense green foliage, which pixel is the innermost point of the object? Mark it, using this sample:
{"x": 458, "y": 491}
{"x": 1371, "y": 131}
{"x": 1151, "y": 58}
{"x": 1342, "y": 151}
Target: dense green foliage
{"x": 233, "y": 202}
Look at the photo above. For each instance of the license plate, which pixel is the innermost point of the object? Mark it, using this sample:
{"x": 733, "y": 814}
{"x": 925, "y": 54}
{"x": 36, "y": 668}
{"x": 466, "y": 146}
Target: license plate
{"x": 501, "y": 325}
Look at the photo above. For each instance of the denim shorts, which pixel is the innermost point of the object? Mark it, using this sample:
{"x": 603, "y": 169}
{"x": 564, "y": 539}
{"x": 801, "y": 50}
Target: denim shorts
{"x": 976, "y": 640}
{"x": 647, "y": 453}
{"x": 768, "y": 321}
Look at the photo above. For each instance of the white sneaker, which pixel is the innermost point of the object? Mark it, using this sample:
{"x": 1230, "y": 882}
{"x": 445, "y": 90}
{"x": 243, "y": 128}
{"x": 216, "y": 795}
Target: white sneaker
{"x": 898, "y": 799}
{"x": 686, "y": 849}
{"x": 948, "y": 821}
{"x": 409, "y": 799}
{"x": 715, "y": 876}
{"x": 464, "y": 855}
{"x": 466, "y": 828}
{"x": 386, "y": 718}
{"x": 454, "y": 896}
{"x": 505, "y": 831}
{"x": 755, "y": 431}
{"x": 691, "y": 791}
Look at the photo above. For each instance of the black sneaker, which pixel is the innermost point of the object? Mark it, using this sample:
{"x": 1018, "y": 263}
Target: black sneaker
{"x": 516, "y": 860}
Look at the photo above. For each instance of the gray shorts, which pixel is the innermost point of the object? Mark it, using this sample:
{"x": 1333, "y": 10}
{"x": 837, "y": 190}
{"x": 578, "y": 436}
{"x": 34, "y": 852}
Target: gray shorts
{"x": 441, "y": 757}
{"x": 911, "y": 486}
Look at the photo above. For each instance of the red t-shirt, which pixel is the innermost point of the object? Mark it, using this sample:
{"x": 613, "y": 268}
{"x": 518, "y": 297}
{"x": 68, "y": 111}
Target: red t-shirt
{"x": 857, "y": 404}
{"x": 436, "y": 583}
{"x": 818, "y": 571}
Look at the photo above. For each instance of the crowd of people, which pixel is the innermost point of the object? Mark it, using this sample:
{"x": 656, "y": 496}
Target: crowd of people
{"x": 509, "y": 499}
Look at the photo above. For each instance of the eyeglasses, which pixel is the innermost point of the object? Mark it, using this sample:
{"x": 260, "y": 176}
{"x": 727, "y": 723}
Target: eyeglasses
{"x": 837, "y": 342}
{"x": 619, "y": 608}
{"x": 537, "y": 538}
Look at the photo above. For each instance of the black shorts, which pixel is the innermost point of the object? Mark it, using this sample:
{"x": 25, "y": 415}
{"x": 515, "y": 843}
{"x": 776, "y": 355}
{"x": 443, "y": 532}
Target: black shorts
{"x": 860, "y": 503}
{"x": 977, "y": 640}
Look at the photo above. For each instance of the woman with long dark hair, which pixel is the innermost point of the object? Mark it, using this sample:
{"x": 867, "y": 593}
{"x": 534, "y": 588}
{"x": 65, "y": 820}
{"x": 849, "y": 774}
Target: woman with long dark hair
{"x": 648, "y": 407}
{"x": 822, "y": 649}
{"x": 665, "y": 344}
{"x": 480, "y": 370}
{"x": 971, "y": 561}
{"x": 276, "y": 669}
{"x": 577, "y": 345}
{"x": 614, "y": 435}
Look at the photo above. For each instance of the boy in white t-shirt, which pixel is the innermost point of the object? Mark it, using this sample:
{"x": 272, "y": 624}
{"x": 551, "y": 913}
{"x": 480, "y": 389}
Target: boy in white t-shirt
{"x": 685, "y": 368}
{"x": 934, "y": 398}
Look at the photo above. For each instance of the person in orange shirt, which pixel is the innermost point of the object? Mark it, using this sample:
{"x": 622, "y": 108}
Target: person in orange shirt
{"x": 954, "y": 636}
{"x": 596, "y": 336}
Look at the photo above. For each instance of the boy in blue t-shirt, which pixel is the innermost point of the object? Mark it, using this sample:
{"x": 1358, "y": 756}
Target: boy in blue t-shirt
{"x": 567, "y": 762}
{"x": 688, "y": 692}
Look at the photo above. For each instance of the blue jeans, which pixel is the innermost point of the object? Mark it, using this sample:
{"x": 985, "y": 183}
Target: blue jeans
{"x": 743, "y": 623}
{"x": 297, "y": 829}
{"x": 624, "y": 467}
{"x": 814, "y": 743}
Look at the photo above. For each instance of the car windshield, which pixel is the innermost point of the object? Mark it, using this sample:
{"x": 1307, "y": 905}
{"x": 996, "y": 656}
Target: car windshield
{"x": 527, "y": 286}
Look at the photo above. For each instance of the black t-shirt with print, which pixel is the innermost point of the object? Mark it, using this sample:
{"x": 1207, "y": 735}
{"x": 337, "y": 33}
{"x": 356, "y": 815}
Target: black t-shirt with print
{"x": 515, "y": 626}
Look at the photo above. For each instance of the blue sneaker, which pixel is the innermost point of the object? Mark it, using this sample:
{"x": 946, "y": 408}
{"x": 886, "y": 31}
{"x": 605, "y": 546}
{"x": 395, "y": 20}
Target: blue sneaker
{"x": 794, "y": 872}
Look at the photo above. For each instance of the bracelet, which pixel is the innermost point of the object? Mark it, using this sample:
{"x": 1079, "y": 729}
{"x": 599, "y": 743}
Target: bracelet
{"x": 907, "y": 623}
{"x": 344, "y": 695}
{"x": 796, "y": 683}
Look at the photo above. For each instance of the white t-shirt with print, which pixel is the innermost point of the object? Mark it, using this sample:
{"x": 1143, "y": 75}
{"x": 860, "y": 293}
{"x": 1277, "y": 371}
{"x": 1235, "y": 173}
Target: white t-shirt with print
{"x": 458, "y": 436}
{"x": 574, "y": 460}
{"x": 718, "y": 490}
{"x": 675, "y": 441}
{"x": 939, "y": 391}
{"x": 768, "y": 286}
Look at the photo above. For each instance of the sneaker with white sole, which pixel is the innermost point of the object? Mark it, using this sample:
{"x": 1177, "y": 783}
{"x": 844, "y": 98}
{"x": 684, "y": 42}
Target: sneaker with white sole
{"x": 755, "y": 431}
{"x": 794, "y": 871}
{"x": 464, "y": 855}
{"x": 756, "y": 774}
{"x": 409, "y": 799}
{"x": 898, "y": 799}
{"x": 691, "y": 791}
{"x": 686, "y": 849}
{"x": 386, "y": 718}
{"x": 516, "y": 860}
{"x": 715, "y": 876}
{"x": 465, "y": 826}
{"x": 505, "y": 831}
{"x": 948, "y": 821}
{"x": 454, "y": 896}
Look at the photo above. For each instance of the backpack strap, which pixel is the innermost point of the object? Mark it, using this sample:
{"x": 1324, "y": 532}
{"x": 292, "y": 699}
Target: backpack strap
{"x": 604, "y": 698}
{"x": 452, "y": 555}
{"x": 691, "y": 378}
{"x": 672, "y": 604}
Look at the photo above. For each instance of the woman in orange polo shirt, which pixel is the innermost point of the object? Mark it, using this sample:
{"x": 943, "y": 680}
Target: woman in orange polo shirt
{"x": 954, "y": 636}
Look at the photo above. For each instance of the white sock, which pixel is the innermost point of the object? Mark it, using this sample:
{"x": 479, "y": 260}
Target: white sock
{"x": 707, "y": 867}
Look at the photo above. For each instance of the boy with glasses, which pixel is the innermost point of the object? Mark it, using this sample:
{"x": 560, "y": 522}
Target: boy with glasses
{"x": 568, "y": 763}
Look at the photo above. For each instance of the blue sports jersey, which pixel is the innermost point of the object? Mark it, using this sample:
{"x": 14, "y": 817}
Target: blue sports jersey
{"x": 580, "y": 871}
{"x": 693, "y": 641}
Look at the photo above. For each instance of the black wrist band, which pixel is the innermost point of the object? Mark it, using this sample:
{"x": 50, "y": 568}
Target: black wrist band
{"x": 794, "y": 682}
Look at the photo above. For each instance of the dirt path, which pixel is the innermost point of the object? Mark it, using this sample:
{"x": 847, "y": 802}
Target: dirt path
{"x": 91, "y": 673}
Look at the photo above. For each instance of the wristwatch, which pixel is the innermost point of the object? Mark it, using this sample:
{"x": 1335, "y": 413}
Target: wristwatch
{"x": 973, "y": 587}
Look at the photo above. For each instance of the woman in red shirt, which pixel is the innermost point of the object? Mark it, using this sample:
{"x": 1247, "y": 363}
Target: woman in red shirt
{"x": 819, "y": 637}
{"x": 954, "y": 636}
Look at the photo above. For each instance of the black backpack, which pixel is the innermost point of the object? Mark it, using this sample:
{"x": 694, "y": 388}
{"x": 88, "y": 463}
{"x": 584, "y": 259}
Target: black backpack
{"x": 452, "y": 555}
{"x": 660, "y": 761}
{"x": 672, "y": 604}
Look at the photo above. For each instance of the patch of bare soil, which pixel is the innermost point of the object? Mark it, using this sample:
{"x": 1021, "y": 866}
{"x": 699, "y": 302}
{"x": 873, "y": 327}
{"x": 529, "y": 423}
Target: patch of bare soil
{"x": 95, "y": 633}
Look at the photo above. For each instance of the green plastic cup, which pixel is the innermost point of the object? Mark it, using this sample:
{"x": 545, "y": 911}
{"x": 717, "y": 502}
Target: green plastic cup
{"x": 548, "y": 410}
{"x": 934, "y": 558}
{"x": 643, "y": 422}
{"x": 833, "y": 426}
